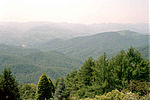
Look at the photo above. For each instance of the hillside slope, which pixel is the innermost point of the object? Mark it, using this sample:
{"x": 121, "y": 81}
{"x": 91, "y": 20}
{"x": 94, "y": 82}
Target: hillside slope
{"x": 95, "y": 45}
{"x": 29, "y": 64}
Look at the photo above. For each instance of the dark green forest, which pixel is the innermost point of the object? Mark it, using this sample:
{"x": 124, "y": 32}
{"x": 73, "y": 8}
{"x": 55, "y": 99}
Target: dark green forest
{"x": 124, "y": 76}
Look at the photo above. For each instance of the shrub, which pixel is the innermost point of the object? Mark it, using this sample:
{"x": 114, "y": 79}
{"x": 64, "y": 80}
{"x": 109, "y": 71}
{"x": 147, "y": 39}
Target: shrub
{"x": 117, "y": 95}
{"x": 142, "y": 88}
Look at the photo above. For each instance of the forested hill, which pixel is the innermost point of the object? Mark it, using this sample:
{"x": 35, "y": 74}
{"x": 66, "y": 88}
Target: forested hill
{"x": 16, "y": 50}
{"x": 94, "y": 45}
{"x": 58, "y": 57}
{"x": 28, "y": 64}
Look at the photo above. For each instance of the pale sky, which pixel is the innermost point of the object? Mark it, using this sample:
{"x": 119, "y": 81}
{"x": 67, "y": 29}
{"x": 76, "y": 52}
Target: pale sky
{"x": 75, "y": 11}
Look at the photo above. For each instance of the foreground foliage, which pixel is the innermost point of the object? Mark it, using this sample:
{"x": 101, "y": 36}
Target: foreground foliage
{"x": 27, "y": 91}
{"x": 8, "y": 86}
{"x": 116, "y": 95}
{"x": 59, "y": 93}
{"x": 44, "y": 88}
{"x": 127, "y": 70}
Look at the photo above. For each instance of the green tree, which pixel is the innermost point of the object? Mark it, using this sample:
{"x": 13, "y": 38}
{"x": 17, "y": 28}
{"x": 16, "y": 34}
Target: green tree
{"x": 27, "y": 91}
{"x": 104, "y": 75}
{"x": 43, "y": 89}
{"x": 60, "y": 90}
{"x": 85, "y": 72}
{"x": 138, "y": 67}
{"x": 52, "y": 86}
{"x": 9, "y": 86}
{"x": 55, "y": 83}
{"x": 120, "y": 62}
{"x": 101, "y": 75}
{"x": 71, "y": 83}
{"x": 128, "y": 66}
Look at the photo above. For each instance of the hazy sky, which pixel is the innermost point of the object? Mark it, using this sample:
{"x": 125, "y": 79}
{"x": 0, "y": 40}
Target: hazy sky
{"x": 75, "y": 11}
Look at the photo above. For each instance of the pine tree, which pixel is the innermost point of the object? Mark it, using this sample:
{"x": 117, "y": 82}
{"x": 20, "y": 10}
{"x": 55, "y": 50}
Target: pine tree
{"x": 119, "y": 70}
{"x": 98, "y": 74}
{"x": 44, "y": 89}
{"x": 138, "y": 68}
{"x": 52, "y": 85}
{"x": 9, "y": 86}
{"x": 101, "y": 75}
{"x": 104, "y": 75}
{"x": 71, "y": 83}
{"x": 129, "y": 66}
{"x": 85, "y": 73}
{"x": 60, "y": 89}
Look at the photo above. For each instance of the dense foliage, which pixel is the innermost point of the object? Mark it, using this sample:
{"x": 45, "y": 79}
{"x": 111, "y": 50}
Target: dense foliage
{"x": 8, "y": 86}
{"x": 104, "y": 75}
{"x": 44, "y": 88}
{"x": 27, "y": 91}
{"x": 142, "y": 88}
{"x": 117, "y": 95}
{"x": 121, "y": 77}
{"x": 59, "y": 93}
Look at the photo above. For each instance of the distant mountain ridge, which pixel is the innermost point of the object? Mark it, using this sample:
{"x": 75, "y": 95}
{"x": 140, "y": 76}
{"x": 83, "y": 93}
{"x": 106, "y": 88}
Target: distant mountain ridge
{"x": 95, "y": 45}
{"x": 33, "y": 33}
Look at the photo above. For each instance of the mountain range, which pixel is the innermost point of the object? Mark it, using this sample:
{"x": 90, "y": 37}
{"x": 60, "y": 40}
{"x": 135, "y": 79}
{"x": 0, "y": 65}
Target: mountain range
{"x": 57, "y": 56}
{"x": 33, "y": 33}
{"x": 95, "y": 45}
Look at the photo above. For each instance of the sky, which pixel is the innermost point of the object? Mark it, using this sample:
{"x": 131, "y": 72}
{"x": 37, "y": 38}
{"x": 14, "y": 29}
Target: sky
{"x": 75, "y": 11}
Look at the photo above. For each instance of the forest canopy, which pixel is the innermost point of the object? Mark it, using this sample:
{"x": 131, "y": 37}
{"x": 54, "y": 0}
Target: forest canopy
{"x": 124, "y": 76}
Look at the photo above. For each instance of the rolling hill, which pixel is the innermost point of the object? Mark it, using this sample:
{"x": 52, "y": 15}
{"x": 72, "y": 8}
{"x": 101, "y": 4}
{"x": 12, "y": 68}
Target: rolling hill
{"x": 29, "y": 64}
{"x": 95, "y": 45}
{"x": 58, "y": 57}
